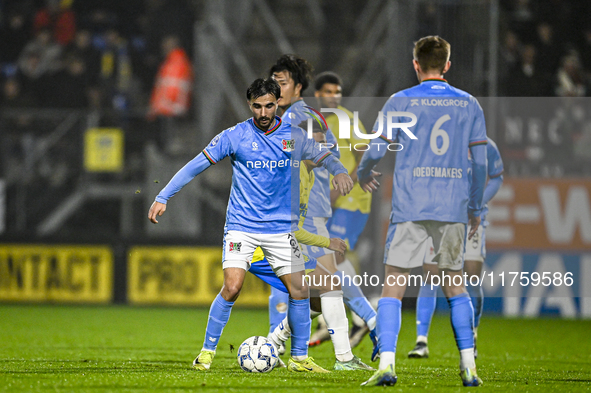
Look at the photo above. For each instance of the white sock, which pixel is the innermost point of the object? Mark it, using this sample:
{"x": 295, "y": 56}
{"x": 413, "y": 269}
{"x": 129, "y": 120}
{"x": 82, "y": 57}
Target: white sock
{"x": 387, "y": 359}
{"x": 333, "y": 310}
{"x": 281, "y": 333}
{"x": 371, "y": 324}
{"x": 422, "y": 339}
{"x": 467, "y": 359}
{"x": 299, "y": 358}
{"x": 347, "y": 267}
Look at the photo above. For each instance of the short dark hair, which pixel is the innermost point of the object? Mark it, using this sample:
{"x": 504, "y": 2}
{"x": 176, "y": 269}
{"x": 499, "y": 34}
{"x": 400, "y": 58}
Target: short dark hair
{"x": 299, "y": 69}
{"x": 261, "y": 87}
{"x": 327, "y": 77}
{"x": 432, "y": 53}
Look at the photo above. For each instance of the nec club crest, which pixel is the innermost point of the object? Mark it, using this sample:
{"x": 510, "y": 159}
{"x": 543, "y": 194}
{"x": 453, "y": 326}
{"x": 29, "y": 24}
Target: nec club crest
{"x": 287, "y": 145}
{"x": 234, "y": 247}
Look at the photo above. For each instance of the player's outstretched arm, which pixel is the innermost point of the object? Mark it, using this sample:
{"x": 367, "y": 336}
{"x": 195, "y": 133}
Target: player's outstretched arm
{"x": 219, "y": 148}
{"x": 184, "y": 176}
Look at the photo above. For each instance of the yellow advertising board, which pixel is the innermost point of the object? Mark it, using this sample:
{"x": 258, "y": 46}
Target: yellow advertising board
{"x": 61, "y": 273}
{"x": 103, "y": 150}
{"x": 184, "y": 276}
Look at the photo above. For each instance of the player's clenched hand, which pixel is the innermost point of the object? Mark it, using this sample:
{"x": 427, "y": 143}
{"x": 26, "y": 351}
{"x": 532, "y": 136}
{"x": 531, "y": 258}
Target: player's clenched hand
{"x": 474, "y": 224}
{"x": 156, "y": 210}
{"x": 337, "y": 245}
{"x": 343, "y": 183}
{"x": 369, "y": 183}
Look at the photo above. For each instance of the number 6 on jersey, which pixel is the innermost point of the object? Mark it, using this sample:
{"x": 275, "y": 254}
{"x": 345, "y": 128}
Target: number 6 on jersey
{"x": 435, "y": 132}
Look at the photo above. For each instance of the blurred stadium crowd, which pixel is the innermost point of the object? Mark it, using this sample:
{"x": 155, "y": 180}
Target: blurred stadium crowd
{"x": 546, "y": 48}
{"x": 85, "y": 54}
{"x": 105, "y": 53}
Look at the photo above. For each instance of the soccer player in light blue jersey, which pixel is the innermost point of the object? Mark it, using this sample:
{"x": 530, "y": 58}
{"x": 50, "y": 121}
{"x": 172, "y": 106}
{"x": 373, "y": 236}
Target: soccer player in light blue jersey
{"x": 474, "y": 256}
{"x": 261, "y": 212}
{"x": 436, "y": 191}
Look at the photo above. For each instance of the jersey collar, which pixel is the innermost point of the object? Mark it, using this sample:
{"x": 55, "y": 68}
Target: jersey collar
{"x": 278, "y": 122}
{"x": 434, "y": 80}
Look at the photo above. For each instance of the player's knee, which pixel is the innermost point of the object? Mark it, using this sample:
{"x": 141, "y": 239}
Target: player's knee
{"x": 453, "y": 290}
{"x": 300, "y": 291}
{"x": 231, "y": 291}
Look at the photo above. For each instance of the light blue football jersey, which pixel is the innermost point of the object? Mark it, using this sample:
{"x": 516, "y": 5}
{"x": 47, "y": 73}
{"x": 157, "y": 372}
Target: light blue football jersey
{"x": 262, "y": 184}
{"x": 319, "y": 205}
{"x": 432, "y": 174}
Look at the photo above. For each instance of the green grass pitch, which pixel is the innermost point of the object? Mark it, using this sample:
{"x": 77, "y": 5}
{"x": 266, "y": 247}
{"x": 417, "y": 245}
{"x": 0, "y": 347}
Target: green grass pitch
{"x": 97, "y": 349}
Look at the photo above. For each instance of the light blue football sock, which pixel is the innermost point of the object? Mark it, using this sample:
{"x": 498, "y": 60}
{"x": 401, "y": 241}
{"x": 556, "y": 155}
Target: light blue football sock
{"x": 219, "y": 314}
{"x": 277, "y": 299}
{"x": 426, "y": 303}
{"x": 462, "y": 320}
{"x": 477, "y": 296}
{"x": 388, "y": 323}
{"x": 298, "y": 316}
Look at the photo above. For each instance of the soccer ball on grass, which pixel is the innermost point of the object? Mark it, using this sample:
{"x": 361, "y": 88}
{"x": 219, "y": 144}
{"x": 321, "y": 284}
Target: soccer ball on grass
{"x": 257, "y": 355}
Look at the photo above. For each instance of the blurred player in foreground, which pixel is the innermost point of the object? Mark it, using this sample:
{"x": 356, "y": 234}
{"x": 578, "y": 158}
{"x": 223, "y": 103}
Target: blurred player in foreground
{"x": 349, "y": 214}
{"x": 293, "y": 75}
{"x": 329, "y": 298}
{"x": 261, "y": 212}
{"x": 434, "y": 194}
{"x": 474, "y": 256}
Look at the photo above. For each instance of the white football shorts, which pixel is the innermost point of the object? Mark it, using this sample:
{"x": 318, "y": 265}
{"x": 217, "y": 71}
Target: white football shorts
{"x": 282, "y": 251}
{"x": 476, "y": 247}
{"x": 407, "y": 244}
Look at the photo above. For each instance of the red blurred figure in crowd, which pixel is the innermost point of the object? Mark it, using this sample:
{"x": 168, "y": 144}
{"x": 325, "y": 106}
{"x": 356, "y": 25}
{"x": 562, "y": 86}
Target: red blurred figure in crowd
{"x": 58, "y": 17}
{"x": 170, "y": 96}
